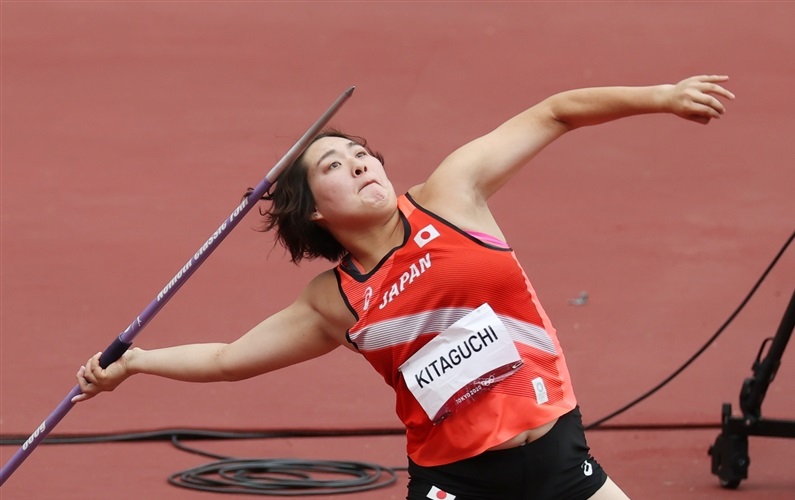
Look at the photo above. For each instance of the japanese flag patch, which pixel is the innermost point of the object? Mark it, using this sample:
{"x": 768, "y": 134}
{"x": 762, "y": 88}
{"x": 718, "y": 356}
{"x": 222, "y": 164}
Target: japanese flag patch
{"x": 437, "y": 494}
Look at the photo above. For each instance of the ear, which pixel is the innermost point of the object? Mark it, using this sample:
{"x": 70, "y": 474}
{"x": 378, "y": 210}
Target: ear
{"x": 316, "y": 216}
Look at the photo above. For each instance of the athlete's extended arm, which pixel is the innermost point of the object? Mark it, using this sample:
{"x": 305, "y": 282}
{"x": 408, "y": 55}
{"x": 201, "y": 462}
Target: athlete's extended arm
{"x": 470, "y": 175}
{"x": 306, "y": 329}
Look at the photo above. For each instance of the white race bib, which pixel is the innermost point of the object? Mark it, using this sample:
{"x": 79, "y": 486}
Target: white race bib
{"x": 465, "y": 359}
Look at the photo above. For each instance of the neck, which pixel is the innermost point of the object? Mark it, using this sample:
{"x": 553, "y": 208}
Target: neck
{"x": 369, "y": 246}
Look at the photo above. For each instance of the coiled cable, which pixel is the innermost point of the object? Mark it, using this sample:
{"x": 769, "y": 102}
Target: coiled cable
{"x": 280, "y": 477}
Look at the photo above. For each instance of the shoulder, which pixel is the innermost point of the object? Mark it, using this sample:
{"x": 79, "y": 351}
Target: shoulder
{"x": 457, "y": 205}
{"x": 322, "y": 295}
{"x": 321, "y": 284}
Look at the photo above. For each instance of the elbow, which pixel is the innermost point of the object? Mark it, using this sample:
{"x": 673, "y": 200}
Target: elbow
{"x": 556, "y": 115}
{"x": 228, "y": 367}
{"x": 564, "y": 125}
{"x": 566, "y": 111}
{"x": 224, "y": 368}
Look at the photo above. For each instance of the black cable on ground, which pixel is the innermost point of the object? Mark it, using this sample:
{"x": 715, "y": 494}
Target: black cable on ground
{"x": 703, "y": 348}
{"x": 202, "y": 435}
{"x": 256, "y": 476}
{"x": 280, "y": 477}
{"x": 221, "y": 435}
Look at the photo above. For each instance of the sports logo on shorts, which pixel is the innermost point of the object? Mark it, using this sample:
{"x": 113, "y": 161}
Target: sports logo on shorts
{"x": 437, "y": 494}
{"x": 587, "y": 468}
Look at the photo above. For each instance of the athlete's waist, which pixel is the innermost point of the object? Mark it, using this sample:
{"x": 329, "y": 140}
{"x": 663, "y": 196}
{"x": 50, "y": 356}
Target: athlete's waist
{"x": 525, "y": 437}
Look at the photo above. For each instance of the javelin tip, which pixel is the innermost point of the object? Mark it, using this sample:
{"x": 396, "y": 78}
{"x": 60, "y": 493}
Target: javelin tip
{"x": 349, "y": 92}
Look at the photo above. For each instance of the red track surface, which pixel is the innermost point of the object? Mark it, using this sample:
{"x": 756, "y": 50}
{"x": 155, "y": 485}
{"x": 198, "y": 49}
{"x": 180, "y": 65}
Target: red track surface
{"x": 130, "y": 130}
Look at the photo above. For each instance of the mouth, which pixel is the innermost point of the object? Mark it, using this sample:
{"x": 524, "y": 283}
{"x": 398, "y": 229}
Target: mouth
{"x": 368, "y": 183}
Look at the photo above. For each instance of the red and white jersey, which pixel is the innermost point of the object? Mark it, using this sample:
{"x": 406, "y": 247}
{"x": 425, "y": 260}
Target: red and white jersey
{"x": 436, "y": 277}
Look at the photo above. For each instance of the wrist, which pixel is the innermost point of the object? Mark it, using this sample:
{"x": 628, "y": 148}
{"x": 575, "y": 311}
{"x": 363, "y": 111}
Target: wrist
{"x": 131, "y": 360}
{"x": 662, "y": 98}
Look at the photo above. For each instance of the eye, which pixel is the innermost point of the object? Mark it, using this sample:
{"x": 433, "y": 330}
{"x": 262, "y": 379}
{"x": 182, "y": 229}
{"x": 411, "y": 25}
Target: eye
{"x": 361, "y": 154}
{"x": 333, "y": 165}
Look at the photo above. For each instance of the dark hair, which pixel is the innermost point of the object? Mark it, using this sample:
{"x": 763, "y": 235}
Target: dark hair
{"x": 292, "y": 206}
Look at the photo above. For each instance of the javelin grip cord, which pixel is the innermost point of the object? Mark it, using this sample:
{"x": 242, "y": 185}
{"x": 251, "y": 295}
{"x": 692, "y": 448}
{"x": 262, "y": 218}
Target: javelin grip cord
{"x": 125, "y": 340}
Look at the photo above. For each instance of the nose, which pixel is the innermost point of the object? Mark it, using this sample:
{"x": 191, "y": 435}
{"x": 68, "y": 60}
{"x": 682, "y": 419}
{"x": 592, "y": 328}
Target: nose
{"x": 359, "y": 170}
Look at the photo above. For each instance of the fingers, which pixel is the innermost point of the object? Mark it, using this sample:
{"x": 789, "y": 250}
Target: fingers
{"x": 699, "y": 98}
{"x": 84, "y": 384}
{"x": 92, "y": 368}
{"x": 708, "y": 108}
{"x": 87, "y": 379}
{"x": 699, "y": 119}
{"x": 709, "y": 84}
{"x": 718, "y": 90}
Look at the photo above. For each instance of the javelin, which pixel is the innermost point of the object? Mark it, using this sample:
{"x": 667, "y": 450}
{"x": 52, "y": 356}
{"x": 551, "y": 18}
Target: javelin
{"x": 125, "y": 339}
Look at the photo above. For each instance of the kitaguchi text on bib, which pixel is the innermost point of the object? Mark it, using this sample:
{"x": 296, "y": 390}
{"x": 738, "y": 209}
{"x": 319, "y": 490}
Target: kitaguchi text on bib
{"x": 463, "y": 360}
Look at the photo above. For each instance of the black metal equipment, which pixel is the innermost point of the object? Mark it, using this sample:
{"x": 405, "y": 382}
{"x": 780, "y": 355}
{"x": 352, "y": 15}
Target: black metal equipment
{"x": 730, "y": 458}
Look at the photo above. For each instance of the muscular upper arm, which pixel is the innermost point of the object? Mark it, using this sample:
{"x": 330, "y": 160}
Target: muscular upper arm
{"x": 313, "y": 325}
{"x": 475, "y": 171}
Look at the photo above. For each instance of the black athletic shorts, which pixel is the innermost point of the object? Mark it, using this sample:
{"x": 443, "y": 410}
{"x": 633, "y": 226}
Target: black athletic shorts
{"x": 557, "y": 466}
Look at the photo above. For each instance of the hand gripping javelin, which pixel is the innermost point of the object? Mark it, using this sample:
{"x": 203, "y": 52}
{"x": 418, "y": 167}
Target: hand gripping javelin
{"x": 125, "y": 339}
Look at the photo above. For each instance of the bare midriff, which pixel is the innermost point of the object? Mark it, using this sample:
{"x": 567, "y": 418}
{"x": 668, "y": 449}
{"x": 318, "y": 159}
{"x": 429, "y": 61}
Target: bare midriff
{"x": 525, "y": 437}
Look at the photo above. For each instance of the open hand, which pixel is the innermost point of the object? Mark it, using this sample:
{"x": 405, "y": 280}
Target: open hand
{"x": 696, "y": 98}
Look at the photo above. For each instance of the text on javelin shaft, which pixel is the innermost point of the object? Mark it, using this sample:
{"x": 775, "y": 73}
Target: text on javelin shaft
{"x": 201, "y": 250}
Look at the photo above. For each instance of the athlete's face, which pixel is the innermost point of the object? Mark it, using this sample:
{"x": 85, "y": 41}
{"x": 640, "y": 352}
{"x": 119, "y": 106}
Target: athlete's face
{"x": 347, "y": 182}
